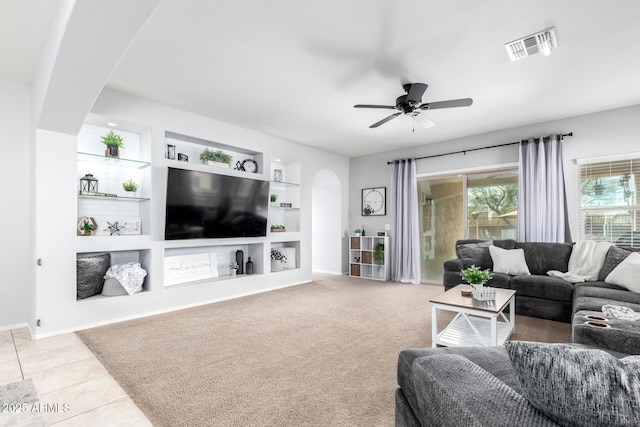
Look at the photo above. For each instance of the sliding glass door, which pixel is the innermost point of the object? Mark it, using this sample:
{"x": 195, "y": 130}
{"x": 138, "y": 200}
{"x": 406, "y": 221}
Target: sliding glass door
{"x": 479, "y": 205}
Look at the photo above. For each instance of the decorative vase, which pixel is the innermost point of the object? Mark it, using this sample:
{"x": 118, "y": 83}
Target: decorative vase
{"x": 112, "y": 151}
{"x": 233, "y": 272}
{"x": 240, "y": 260}
{"x": 277, "y": 265}
{"x": 218, "y": 164}
{"x": 277, "y": 175}
{"x": 249, "y": 266}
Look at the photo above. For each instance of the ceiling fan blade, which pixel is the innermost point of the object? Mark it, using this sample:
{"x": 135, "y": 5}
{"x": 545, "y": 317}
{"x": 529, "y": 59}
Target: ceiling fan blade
{"x": 386, "y": 107}
{"x": 464, "y": 102}
{"x": 416, "y": 92}
{"x": 422, "y": 119}
{"x": 385, "y": 120}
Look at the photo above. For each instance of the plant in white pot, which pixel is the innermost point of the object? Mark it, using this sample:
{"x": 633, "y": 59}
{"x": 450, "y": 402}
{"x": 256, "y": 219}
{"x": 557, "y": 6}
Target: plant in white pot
{"x": 278, "y": 260}
{"x": 216, "y": 158}
{"x": 475, "y": 276}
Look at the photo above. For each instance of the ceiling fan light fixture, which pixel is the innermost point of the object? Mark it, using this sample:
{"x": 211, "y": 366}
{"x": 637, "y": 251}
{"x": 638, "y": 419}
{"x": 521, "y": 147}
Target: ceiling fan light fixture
{"x": 541, "y": 42}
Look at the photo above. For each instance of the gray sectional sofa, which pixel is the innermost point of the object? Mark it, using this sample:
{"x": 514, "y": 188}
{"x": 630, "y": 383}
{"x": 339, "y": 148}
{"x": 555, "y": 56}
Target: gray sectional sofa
{"x": 514, "y": 385}
{"x": 489, "y": 385}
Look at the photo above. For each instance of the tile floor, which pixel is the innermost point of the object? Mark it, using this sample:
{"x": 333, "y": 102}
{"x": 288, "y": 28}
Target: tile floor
{"x": 70, "y": 381}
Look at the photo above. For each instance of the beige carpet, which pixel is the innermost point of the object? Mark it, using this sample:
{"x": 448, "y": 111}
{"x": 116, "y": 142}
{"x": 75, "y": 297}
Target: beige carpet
{"x": 319, "y": 354}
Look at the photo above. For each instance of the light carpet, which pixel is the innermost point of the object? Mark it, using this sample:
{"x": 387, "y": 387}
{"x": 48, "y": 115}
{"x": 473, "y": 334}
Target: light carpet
{"x": 319, "y": 354}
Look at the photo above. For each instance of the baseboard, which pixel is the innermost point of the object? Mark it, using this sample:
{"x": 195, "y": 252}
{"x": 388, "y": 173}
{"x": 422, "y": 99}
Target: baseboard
{"x": 14, "y": 326}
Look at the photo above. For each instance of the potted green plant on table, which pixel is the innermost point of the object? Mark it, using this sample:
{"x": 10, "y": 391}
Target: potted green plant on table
{"x": 357, "y": 232}
{"x": 475, "y": 276}
{"x": 113, "y": 142}
{"x": 216, "y": 158}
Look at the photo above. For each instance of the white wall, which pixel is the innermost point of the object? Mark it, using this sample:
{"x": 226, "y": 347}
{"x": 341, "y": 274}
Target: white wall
{"x": 599, "y": 134}
{"x": 15, "y": 157}
{"x": 57, "y": 244}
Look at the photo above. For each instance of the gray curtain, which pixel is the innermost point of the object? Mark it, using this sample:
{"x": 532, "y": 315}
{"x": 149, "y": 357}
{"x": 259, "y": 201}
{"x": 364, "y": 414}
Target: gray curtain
{"x": 405, "y": 232}
{"x": 542, "y": 212}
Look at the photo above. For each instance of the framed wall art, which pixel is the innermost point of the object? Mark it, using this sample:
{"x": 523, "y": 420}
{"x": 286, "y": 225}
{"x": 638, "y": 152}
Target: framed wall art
{"x": 374, "y": 201}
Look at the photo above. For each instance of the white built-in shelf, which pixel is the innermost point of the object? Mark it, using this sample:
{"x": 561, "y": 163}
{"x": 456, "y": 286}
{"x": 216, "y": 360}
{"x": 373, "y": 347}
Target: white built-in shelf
{"x": 112, "y": 161}
{"x": 114, "y": 198}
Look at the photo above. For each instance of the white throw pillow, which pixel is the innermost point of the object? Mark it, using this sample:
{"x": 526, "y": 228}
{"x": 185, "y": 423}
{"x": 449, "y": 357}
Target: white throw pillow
{"x": 290, "y": 253}
{"x": 508, "y": 261}
{"x": 627, "y": 273}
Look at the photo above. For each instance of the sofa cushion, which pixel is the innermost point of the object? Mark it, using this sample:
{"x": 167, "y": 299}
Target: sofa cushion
{"x": 453, "y": 391}
{"x": 508, "y": 261}
{"x": 615, "y": 256}
{"x": 627, "y": 273}
{"x": 575, "y": 386}
{"x": 542, "y": 257}
{"x": 493, "y": 359}
{"x": 546, "y": 287}
{"x": 476, "y": 252}
{"x": 600, "y": 293}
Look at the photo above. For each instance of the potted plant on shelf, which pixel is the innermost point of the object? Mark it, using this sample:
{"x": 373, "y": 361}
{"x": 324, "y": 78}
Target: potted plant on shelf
{"x": 273, "y": 198}
{"x": 278, "y": 228}
{"x": 87, "y": 226}
{"x": 357, "y": 232}
{"x": 277, "y": 260}
{"x": 130, "y": 186}
{"x": 233, "y": 268}
{"x": 378, "y": 253}
{"x": 216, "y": 158}
{"x": 475, "y": 276}
{"x": 113, "y": 142}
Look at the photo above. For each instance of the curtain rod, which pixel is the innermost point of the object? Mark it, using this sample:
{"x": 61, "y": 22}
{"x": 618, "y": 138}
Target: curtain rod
{"x": 472, "y": 149}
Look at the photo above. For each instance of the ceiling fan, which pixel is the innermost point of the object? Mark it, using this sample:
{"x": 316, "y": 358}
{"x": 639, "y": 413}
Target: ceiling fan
{"x": 411, "y": 104}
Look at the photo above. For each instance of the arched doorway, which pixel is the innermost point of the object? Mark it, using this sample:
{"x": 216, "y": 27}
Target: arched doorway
{"x": 326, "y": 223}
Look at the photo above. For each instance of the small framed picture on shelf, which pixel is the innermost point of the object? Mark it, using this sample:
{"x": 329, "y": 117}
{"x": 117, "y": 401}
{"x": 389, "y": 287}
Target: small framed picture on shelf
{"x": 374, "y": 201}
{"x": 171, "y": 152}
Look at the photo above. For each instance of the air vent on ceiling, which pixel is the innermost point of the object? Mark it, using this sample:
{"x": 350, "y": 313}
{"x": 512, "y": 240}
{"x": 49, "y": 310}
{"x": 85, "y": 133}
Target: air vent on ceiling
{"x": 543, "y": 42}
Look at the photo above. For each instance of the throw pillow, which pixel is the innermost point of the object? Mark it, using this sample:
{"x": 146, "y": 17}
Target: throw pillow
{"x": 509, "y": 261}
{"x": 475, "y": 253}
{"x": 290, "y": 253}
{"x": 615, "y": 256}
{"x": 90, "y": 271}
{"x": 627, "y": 273}
{"x": 577, "y": 386}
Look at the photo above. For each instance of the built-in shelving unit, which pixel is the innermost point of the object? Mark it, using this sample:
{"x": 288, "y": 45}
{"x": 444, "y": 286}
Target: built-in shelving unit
{"x": 369, "y": 257}
{"x": 145, "y": 159}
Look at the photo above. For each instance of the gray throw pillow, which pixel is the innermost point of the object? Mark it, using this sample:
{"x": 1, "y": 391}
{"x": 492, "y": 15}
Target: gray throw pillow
{"x": 90, "y": 271}
{"x": 615, "y": 256}
{"x": 576, "y": 386}
{"x": 475, "y": 253}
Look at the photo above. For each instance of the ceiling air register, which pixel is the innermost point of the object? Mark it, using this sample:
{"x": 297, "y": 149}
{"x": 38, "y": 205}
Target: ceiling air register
{"x": 543, "y": 42}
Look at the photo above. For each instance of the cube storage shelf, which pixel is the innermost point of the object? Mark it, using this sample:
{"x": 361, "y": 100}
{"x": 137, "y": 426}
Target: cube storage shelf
{"x": 363, "y": 261}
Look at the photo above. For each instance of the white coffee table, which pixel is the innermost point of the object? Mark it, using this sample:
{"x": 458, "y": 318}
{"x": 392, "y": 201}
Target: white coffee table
{"x": 477, "y": 323}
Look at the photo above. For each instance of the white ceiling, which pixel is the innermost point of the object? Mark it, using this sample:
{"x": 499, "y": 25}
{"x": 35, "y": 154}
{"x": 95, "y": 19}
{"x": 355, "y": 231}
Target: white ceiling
{"x": 294, "y": 69}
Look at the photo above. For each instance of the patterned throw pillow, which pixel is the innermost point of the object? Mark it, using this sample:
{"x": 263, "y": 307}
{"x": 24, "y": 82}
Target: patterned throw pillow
{"x": 576, "y": 386}
{"x": 615, "y": 256}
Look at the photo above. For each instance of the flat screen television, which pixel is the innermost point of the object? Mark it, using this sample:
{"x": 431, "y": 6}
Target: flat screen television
{"x": 208, "y": 205}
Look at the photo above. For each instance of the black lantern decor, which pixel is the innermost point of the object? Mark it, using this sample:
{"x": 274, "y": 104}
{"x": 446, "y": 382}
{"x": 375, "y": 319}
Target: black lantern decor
{"x": 88, "y": 184}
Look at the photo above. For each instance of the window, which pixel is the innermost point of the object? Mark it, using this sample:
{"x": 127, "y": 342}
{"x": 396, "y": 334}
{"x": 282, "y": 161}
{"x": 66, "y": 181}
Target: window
{"x": 609, "y": 202}
{"x": 475, "y": 205}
